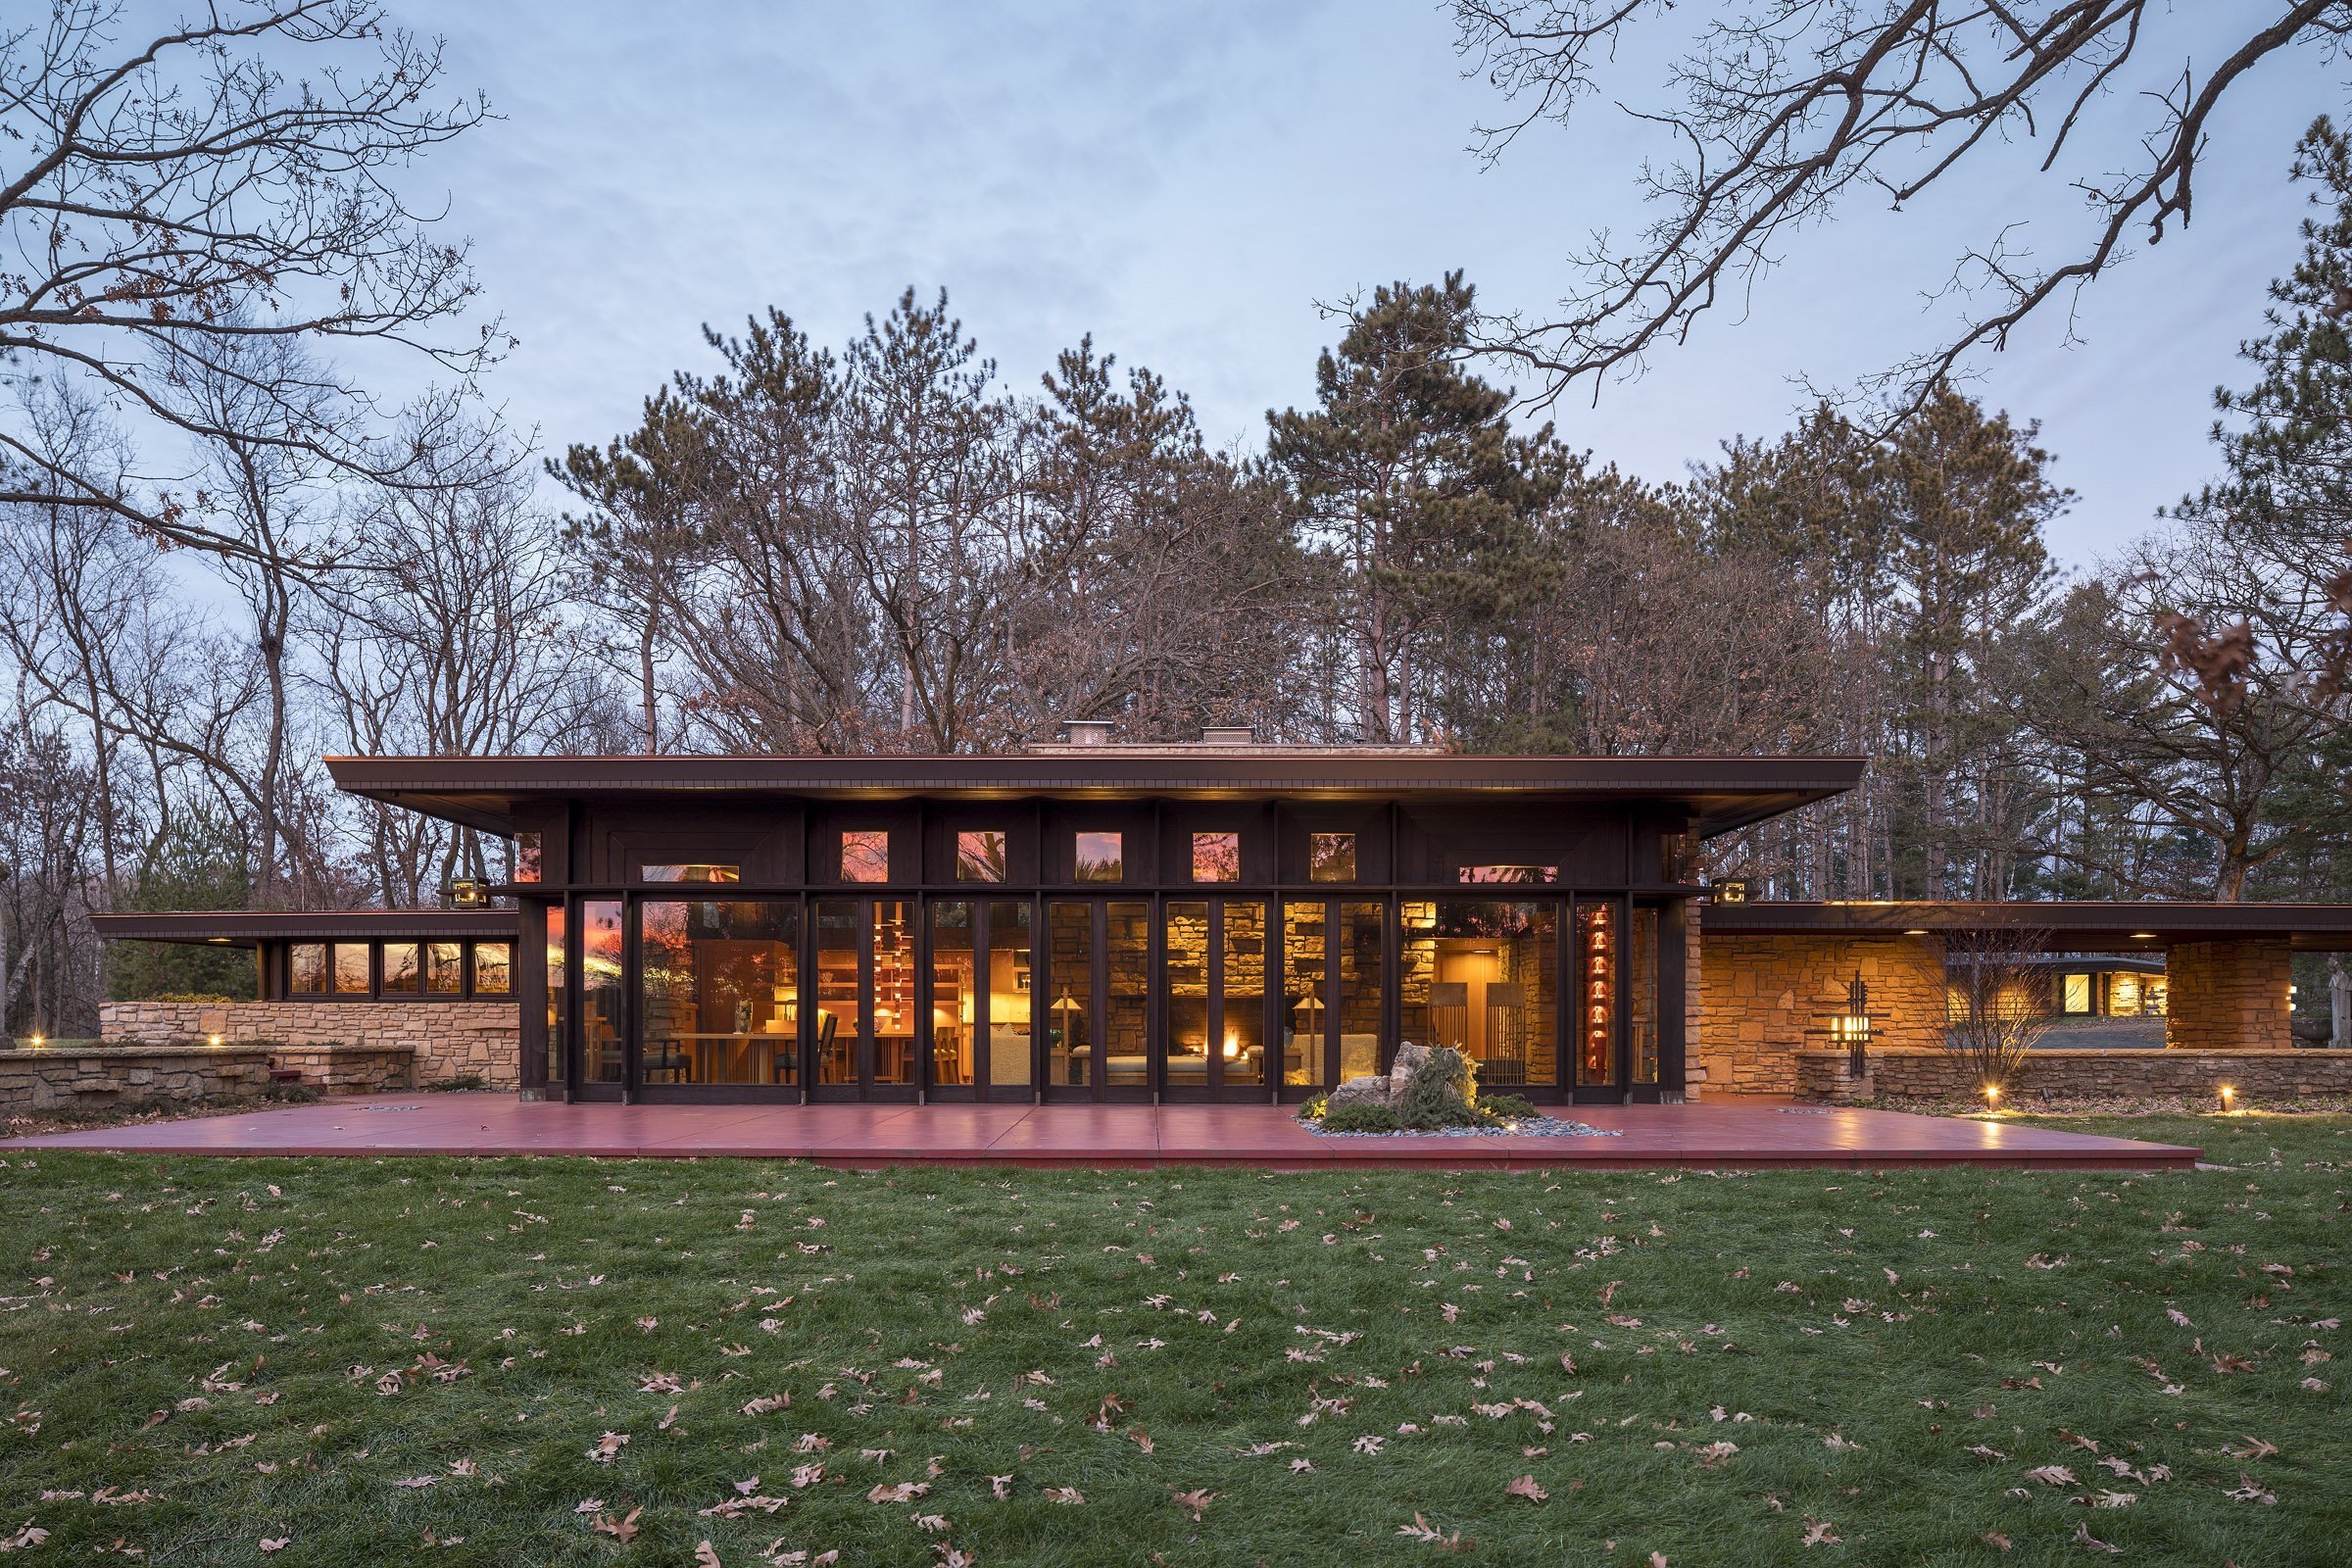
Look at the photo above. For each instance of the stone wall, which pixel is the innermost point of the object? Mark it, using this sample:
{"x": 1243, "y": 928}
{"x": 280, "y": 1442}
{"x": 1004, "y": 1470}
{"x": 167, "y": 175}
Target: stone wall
{"x": 2228, "y": 996}
{"x": 2114, "y": 1073}
{"x": 435, "y": 1042}
{"x": 1760, "y": 995}
{"x": 1695, "y": 1012}
{"x": 71, "y": 1078}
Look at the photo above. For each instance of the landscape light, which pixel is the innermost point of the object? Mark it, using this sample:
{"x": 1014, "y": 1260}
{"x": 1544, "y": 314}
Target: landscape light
{"x": 39, "y": 1040}
{"x": 2228, "y": 1100}
{"x": 1992, "y": 1096}
{"x": 214, "y": 1041}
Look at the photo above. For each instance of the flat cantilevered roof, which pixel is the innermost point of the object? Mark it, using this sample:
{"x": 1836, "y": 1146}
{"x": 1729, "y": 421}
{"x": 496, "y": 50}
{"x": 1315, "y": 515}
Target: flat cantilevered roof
{"x": 245, "y": 928}
{"x": 2119, "y": 927}
{"x": 1721, "y": 793}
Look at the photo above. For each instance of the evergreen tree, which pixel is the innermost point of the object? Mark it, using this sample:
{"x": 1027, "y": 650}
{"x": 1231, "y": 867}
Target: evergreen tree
{"x": 201, "y": 863}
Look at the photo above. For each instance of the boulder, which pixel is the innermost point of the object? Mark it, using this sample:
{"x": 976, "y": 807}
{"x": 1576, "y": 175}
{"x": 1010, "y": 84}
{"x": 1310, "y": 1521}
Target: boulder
{"x": 1359, "y": 1092}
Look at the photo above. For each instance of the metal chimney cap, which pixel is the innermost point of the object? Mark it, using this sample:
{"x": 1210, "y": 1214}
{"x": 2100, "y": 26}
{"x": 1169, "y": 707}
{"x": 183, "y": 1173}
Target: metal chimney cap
{"x": 1229, "y": 735}
{"x": 1087, "y": 731}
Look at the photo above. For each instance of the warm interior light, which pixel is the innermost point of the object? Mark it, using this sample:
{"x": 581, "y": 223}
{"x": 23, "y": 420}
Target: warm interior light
{"x": 2143, "y": 936}
{"x": 1233, "y": 1046}
{"x": 1917, "y": 933}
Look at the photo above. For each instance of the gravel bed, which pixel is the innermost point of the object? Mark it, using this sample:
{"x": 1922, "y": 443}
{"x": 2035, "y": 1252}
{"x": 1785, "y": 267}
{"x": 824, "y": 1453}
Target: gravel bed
{"x": 1525, "y": 1127}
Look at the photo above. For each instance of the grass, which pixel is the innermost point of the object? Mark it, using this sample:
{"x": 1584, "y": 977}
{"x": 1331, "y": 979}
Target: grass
{"x": 265, "y": 1350}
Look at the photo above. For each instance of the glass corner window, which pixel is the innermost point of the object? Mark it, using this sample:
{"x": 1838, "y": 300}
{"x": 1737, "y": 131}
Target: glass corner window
{"x": 527, "y": 857}
{"x": 1331, "y": 857}
{"x": 866, "y": 855}
{"x": 1100, "y": 858}
{"x": 980, "y": 857}
{"x": 1216, "y": 856}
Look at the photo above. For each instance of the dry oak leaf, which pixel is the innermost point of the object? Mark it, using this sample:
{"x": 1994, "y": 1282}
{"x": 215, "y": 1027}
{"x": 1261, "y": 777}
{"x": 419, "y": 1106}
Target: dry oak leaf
{"x": 705, "y": 1555}
{"x": 277, "y": 1543}
{"x": 622, "y": 1530}
{"x": 2083, "y": 1537}
{"x": 1527, "y": 1487}
{"x": 1996, "y": 1540}
{"x": 1195, "y": 1502}
{"x": 1065, "y": 1495}
{"x": 2254, "y": 1448}
{"x": 1819, "y": 1533}
{"x": 2051, "y": 1475}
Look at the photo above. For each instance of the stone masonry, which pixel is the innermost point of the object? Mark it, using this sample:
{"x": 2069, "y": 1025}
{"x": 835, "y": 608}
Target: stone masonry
{"x": 1763, "y": 998}
{"x": 2257, "y": 1076}
{"x": 70, "y": 1078}
{"x": 2228, "y": 996}
{"x": 436, "y": 1041}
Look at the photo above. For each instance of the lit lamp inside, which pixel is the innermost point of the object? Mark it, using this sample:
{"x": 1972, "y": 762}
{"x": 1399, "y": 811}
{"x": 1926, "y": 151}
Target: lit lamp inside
{"x": 469, "y": 893}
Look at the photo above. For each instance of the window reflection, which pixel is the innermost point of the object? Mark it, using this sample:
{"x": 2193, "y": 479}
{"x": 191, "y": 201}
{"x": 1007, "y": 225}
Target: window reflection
{"x": 400, "y": 966}
{"x": 493, "y": 968}
{"x": 866, "y": 855}
{"x": 306, "y": 967}
{"x": 1216, "y": 856}
{"x": 980, "y": 857}
{"x": 350, "y": 968}
{"x": 690, "y": 871}
{"x": 718, "y": 991}
{"x": 444, "y": 968}
{"x": 840, "y": 995}
{"x": 1331, "y": 857}
{"x": 527, "y": 857}
{"x": 1100, "y": 858}
{"x": 558, "y": 995}
{"x": 602, "y": 1023}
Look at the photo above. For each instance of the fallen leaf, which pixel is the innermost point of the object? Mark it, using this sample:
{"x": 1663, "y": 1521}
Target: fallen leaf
{"x": 1195, "y": 1502}
{"x": 1526, "y": 1487}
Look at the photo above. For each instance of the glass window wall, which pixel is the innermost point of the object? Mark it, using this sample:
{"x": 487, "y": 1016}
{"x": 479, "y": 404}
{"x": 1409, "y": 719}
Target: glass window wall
{"x": 1306, "y": 1020}
{"x": 444, "y": 968}
{"x": 1478, "y": 977}
{"x": 306, "y": 968}
{"x": 1070, "y": 978}
{"x": 493, "y": 968}
{"x": 955, "y": 1000}
{"x": 558, "y": 995}
{"x": 1186, "y": 960}
{"x": 1012, "y": 989}
{"x": 718, "y": 991}
{"x": 350, "y": 968}
{"x": 604, "y": 1026}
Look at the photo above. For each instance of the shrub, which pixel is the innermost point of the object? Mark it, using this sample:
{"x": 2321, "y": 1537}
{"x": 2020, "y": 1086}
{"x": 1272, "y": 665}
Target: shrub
{"x": 1440, "y": 1093}
{"x": 1507, "y": 1107}
{"x": 208, "y": 999}
{"x": 1362, "y": 1119}
{"x": 463, "y": 1080}
{"x": 1313, "y": 1110}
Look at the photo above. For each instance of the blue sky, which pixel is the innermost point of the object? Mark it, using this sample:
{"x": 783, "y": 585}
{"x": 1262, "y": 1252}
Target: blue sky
{"x": 1188, "y": 182}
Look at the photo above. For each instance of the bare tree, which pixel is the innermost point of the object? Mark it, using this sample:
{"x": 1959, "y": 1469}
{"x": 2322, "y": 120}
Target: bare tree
{"x": 180, "y": 199}
{"x": 1999, "y": 1002}
{"x": 1780, "y": 111}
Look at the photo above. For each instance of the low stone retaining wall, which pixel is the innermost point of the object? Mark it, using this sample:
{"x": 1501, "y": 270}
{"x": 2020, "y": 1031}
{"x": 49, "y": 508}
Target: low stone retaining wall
{"x": 89, "y": 1077}
{"x": 1898, "y": 1073}
{"x": 436, "y": 1042}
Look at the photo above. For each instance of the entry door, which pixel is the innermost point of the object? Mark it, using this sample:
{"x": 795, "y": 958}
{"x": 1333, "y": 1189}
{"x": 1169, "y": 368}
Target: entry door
{"x": 1097, "y": 1000}
{"x": 863, "y": 1024}
{"x": 1597, "y": 1050}
{"x": 1214, "y": 953}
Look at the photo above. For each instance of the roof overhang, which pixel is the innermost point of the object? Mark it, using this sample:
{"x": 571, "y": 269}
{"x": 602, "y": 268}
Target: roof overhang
{"x": 2139, "y": 927}
{"x": 246, "y": 928}
{"x": 497, "y": 794}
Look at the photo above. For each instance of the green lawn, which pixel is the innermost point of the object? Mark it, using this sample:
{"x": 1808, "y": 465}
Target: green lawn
{"x": 367, "y": 1360}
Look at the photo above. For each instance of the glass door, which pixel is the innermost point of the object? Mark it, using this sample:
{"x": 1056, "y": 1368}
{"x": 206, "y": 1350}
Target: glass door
{"x": 1214, "y": 954}
{"x": 866, "y": 995}
{"x": 1097, "y": 997}
{"x": 981, "y": 1035}
{"x": 1598, "y": 1047}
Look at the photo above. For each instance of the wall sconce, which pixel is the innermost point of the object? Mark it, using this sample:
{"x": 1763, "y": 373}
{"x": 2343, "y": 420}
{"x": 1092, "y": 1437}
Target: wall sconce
{"x": 1733, "y": 890}
{"x": 1851, "y": 1028}
{"x": 469, "y": 893}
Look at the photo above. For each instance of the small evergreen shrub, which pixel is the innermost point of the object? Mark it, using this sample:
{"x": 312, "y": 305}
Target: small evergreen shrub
{"x": 1440, "y": 1093}
{"x": 1362, "y": 1119}
{"x": 208, "y": 999}
{"x": 1506, "y": 1108}
{"x": 1313, "y": 1110}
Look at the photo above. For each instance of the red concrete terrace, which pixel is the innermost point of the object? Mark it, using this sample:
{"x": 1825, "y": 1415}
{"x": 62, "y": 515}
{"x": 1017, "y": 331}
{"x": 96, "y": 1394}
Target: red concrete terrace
{"x": 1741, "y": 1136}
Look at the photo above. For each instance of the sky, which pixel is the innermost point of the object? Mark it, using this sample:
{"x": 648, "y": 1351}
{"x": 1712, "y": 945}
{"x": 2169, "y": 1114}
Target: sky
{"x": 1189, "y": 183}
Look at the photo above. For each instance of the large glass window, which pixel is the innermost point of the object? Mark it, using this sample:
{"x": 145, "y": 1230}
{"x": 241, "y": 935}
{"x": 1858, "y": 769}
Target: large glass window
{"x": 2077, "y": 994}
{"x": 1476, "y": 977}
{"x": 980, "y": 857}
{"x": 1011, "y": 986}
{"x": 603, "y": 1026}
{"x": 1069, "y": 1013}
{"x": 866, "y": 855}
{"x": 1241, "y": 1031}
{"x": 1099, "y": 857}
{"x": 306, "y": 968}
{"x": 1216, "y": 856}
{"x": 1331, "y": 857}
{"x": 350, "y": 968}
{"x": 718, "y": 991}
{"x": 894, "y": 990}
{"x": 493, "y": 968}
{"x": 527, "y": 857}
{"x": 557, "y": 993}
{"x": 444, "y": 968}
{"x": 955, "y": 992}
{"x": 1306, "y": 1019}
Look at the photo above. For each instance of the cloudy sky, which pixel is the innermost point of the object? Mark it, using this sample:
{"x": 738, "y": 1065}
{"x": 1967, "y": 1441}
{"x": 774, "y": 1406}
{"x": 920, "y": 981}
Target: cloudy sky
{"x": 1186, "y": 183}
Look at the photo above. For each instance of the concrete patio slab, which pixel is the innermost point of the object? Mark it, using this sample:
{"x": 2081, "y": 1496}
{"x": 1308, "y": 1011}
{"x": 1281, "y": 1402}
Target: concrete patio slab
{"x": 1713, "y": 1135}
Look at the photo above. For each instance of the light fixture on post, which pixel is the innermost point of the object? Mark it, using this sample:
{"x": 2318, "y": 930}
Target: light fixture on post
{"x": 469, "y": 893}
{"x": 2228, "y": 1100}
